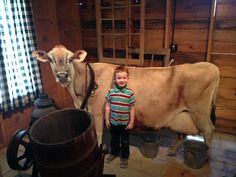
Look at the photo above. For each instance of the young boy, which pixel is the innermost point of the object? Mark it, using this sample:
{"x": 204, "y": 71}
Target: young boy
{"x": 119, "y": 115}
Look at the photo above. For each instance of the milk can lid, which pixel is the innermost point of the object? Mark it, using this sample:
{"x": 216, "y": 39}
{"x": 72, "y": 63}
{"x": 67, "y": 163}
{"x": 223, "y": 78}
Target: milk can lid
{"x": 43, "y": 100}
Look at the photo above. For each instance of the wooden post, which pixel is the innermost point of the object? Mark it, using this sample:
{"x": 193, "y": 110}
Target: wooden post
{"x": 168, "y": 30}
{"x": 113, "y": 30}
{"x": 127, "y": 35}
{"x": 211, "y": 29}
{"x": 142, "y": 32}
{"x": 76, "y": 27}
{"x": 168, "y": 24}
{"x": 99, "y": 30}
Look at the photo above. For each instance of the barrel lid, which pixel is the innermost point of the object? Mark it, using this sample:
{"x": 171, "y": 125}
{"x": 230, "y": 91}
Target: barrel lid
{"x": 43, "y": 100}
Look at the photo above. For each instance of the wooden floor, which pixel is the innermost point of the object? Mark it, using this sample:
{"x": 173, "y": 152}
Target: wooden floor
{"x": 222, "y": 164}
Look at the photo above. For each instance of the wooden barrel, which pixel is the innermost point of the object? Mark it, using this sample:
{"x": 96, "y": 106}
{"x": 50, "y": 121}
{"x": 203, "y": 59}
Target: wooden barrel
{"x": 64, "y": 144}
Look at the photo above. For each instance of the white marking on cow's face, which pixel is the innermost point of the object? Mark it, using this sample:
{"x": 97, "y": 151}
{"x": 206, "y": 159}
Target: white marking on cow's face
{"x": 61, "y": 61}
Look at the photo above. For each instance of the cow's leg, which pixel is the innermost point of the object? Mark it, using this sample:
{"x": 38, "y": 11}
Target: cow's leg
{"x": 174, "y": 147}
{"x": 182, "y": 123}
{"x": 206, "y": 127}
{"x": 213, "y": 114}
{"x": 207, "y": 131}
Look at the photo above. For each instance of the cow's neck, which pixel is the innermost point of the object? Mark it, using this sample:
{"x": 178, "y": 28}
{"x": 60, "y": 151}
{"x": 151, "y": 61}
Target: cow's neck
{"x": 89, "y": 84}
{"x": 80, "y": 82}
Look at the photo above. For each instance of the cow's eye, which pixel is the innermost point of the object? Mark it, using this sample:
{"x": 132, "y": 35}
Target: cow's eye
{"x": 70, "y": 59}
{"x": 51, "y": 60}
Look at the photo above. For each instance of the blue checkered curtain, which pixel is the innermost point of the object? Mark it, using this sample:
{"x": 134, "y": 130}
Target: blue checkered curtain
{"x": 20, "y": 78}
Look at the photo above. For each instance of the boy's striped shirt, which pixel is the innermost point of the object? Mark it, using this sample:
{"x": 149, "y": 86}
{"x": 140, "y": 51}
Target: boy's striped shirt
{"x": 120, "y": 102}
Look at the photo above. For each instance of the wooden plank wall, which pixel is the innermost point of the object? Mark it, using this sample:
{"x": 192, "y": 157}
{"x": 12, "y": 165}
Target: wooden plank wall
{"x": 58, "y": 22}
{"x": 191, "y": 29}
{"x": 224, "y": 56}
{"x": 88, "y": 28}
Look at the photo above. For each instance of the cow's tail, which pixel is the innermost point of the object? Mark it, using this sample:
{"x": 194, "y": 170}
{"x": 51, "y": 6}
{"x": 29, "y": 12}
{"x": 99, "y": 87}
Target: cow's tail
{"x": 213, "y": 108}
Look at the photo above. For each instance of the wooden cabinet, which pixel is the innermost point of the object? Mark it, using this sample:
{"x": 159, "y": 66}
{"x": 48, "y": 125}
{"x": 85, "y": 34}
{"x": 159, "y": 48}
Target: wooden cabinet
{"x": 120, "y": 31}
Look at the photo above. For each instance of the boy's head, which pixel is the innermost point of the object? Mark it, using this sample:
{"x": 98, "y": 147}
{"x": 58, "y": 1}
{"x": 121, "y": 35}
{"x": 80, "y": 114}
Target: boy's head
{"x": 121, "y": 75}
{"x": 119, "y": 69}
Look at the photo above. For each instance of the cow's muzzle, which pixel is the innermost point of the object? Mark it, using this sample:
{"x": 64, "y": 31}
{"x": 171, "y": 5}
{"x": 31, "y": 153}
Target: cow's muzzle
{"x": 62, "y": 77}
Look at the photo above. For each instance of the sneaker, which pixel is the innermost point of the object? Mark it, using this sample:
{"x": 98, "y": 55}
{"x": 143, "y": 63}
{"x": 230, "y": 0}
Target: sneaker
{"x": 109, "y": 158}
{"x": 123, "y": 163}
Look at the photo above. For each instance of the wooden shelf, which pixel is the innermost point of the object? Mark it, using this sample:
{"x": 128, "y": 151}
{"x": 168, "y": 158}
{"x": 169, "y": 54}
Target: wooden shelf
{"x": 120, "y": 26}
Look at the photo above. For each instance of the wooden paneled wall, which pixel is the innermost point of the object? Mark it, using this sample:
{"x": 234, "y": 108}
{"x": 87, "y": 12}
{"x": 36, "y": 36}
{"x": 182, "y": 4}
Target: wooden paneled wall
{"x": 224, "y": 56}
{"x": 58, "y": 22}
{"x": 88, "y": 28}
{"x": 190, "y": 33}
{"x": 10, "y": 125}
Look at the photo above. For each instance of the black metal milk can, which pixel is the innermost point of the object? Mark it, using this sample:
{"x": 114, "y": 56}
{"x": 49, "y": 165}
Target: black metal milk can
{"x": 43, "y": 106}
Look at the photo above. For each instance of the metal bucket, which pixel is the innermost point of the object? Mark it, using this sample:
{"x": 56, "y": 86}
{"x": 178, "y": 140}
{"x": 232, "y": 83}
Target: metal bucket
{"x": 195, "y": 153}
{"x": 64, "y": 144}
{"x": 149, "y": 147}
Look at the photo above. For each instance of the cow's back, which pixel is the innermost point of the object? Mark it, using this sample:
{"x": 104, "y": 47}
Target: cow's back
{"x": 163, "y": 92}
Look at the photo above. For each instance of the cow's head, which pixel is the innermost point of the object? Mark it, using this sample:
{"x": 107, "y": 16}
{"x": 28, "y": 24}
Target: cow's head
{"x": 61, "y": 61}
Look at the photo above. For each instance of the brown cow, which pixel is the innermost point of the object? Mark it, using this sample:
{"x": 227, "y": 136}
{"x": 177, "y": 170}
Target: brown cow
{"x": 178, "y": 97}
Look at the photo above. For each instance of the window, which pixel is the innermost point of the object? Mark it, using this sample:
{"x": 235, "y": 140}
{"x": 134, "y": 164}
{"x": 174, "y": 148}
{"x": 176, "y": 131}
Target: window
{"x": 20, "y": 79}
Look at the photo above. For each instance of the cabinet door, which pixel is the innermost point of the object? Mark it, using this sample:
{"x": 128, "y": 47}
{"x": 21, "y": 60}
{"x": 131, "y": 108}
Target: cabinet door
{"x": 120, "y": 31}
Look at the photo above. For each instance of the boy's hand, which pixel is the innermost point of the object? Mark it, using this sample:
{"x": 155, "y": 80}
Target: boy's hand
{"x": 129, "y": 126}
{"x": 108, "y": 125}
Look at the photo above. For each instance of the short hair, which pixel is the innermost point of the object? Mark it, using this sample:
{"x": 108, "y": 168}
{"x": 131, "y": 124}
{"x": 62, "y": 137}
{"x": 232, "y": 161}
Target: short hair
{"x": 119, "y": 69}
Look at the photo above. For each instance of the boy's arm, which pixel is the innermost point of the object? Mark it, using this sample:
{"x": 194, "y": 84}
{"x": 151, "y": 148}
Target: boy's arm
{"x": 132, "y": 117}
{"x": 107, "y": 115}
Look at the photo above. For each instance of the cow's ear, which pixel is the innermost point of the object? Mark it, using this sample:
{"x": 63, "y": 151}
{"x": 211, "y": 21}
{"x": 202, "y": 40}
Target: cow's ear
{"x": 79, "y": 55}
{"x": 41, "y": 55}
